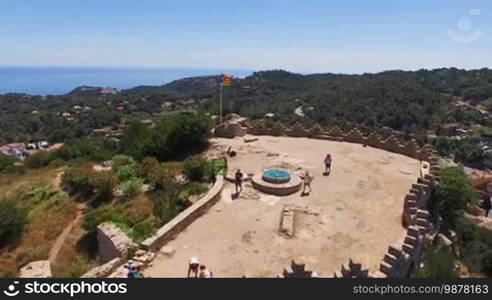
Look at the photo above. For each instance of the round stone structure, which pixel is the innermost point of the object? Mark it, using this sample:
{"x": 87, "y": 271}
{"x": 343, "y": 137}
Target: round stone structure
{"x": 276, "y": 176}
{"x": 278, "y": 182}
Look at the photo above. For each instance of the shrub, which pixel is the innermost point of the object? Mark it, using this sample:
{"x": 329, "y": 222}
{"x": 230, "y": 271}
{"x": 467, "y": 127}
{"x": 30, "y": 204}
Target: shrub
{"x": 121, "y": 160}
{"x": 6, "y": 162}
{"x": 168, "y": 204}
{"x": 101, "y": 214}
{"x": 104, "y": 184}
{"x": 83, "y": 181}
{"x": 38, "y": 160}
{"x": 57, "y": 162}
{"x": 77, "y": 180}
{"x": 88, "y": 149}
{"x": 15, "y": 169}
{"x": 173, "y": 137}
{"x": 437, "y": 264}
{"x": 12, "y": 221}
{"x": 453, "y": 194}
{"x": 131, "y": 187}
{"x": 195, "y": 168}
{"x": 126, "y": 172}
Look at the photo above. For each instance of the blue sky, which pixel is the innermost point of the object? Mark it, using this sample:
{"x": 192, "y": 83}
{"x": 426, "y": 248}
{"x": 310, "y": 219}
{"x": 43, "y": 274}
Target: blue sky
{"x": 304, "y": 36}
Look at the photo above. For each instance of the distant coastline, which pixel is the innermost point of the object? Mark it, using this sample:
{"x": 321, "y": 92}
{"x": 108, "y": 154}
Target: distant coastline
{"x": 60, "y": 80}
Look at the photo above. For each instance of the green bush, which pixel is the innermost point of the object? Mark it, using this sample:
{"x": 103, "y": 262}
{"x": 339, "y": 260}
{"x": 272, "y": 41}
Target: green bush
{"x": 475, "y": 246}
{"x": 12, "y": 221}
{"x": 126, "y": 172}
{"x": 101, "y": 214}
{"x": 15, "y": 169}
{"x": 437, "y": 264}
{"x": 82, "y": 180}
{"x": 38, "y": 160}
{"x": 168, "y": 204}
{"x": 131, "y": 187}
{"x": 121, "y": 160}
{"x": 195, "y": 168}
{"x": 57, "y": 162}
{"x": 174, "y": 137}
{"x": 87, "y": 149}
{"x": 454, "y": 194}
{"x": 6, "y": 162}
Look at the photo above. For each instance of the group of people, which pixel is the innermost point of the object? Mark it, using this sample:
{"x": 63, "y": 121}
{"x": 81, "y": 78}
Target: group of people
{"x": 307, "y": 178}
{"x": 196, "y": 270}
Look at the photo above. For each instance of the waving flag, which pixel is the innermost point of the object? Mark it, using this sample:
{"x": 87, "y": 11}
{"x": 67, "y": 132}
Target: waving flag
{"x": 226, "y": 80}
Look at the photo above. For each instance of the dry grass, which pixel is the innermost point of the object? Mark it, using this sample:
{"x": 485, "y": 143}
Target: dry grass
{"x": 11, "y": 185}
{"x": 72, "y": 260}
{"x": 49, "y": 212}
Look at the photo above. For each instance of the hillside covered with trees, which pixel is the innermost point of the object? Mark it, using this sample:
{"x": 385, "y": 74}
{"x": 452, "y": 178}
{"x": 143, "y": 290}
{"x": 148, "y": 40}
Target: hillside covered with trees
{"x": 406, "y": 101}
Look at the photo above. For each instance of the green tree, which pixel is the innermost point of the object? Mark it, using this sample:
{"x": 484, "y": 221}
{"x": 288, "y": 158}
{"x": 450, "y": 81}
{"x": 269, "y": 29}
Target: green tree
{"x": 453, "y": 194}
{"x": 6, "y": 162}
{"x": 12, "y": 221}
{"x": 195, "y": 168}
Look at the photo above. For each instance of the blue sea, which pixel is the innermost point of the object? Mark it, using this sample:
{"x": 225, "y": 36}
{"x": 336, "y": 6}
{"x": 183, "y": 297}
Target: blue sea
{"x": 61, "y": 80}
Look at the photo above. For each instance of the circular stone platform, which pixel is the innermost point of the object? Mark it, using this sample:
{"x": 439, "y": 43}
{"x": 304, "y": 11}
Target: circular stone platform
{"x": 286, "y": 186}
{"x": 276, "y": 176}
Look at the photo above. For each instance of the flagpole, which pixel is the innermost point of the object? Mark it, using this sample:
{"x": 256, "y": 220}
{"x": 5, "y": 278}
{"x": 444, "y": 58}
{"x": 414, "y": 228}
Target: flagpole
{"x": 220, "y": 117}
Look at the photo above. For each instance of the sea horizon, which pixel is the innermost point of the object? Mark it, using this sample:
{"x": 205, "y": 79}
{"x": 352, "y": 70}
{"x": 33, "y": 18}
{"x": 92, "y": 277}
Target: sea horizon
{"x": 59, "y": 80}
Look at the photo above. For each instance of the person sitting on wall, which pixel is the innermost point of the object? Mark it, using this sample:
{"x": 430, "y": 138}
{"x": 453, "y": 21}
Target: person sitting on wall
{"x": 193, "y": 266}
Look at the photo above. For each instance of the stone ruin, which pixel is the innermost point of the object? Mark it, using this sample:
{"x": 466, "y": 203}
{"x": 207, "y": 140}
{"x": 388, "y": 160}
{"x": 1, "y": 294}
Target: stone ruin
{"x": 298, "y": 270}
{"x": 401, "y": 257}
{"x": 288, "y": 218}
{"x": 232, "y": 126}
{"x": 352, "y": 270}
{"x": 113, "y": 242}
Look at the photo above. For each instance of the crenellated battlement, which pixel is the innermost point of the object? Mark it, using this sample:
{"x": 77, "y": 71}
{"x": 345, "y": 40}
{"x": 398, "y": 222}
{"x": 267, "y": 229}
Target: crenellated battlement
{"x": 405, "y": 253}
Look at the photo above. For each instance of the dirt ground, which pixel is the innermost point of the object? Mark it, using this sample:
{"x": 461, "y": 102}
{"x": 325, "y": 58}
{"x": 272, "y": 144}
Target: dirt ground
{"x": 355, "y": 212}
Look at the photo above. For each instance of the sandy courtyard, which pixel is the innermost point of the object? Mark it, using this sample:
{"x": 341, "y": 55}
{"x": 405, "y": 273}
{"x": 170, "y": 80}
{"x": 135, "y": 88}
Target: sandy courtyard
{"x": 353, "y": 213}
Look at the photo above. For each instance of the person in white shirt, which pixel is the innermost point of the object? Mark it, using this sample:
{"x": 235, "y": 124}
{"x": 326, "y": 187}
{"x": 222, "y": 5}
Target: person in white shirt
{"x": 307, "y": 178}
{"x": 193, "y": 266}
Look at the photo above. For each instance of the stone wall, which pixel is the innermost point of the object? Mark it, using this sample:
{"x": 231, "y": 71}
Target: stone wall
{"x": 113, "y": 242}
{"x": 405, "y": 253}
{"x": 105, "y": 269}
{"x": 230, "y": 130}
{"x": 186, "y": 217}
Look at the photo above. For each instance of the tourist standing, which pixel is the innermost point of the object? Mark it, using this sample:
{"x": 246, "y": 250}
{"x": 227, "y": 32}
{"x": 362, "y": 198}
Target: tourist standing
{"x": 132, "y": 269}
{"x": 307, "y": 178}
{"x": 328, "y": 161}
{"x": 238, "y": 177}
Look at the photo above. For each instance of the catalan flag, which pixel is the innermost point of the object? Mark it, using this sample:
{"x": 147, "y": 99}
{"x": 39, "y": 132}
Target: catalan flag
{"x": 226, "y": 80}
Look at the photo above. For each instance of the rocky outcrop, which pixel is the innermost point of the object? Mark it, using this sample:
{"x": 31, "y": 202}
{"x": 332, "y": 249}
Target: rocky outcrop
{"x": 36, "y": 269}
